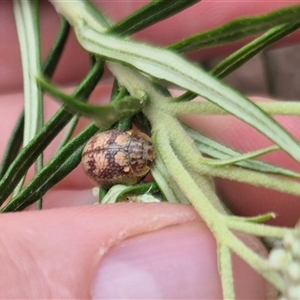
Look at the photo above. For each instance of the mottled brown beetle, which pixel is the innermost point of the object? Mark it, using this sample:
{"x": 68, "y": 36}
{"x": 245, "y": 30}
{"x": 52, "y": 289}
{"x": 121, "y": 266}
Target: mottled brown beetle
{"x": 117, "y": 157}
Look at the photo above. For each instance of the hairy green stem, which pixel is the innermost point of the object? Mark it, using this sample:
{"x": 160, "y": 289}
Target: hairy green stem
{"x": 226, "y": 272}
{"x": 205, "y": 108}
{"x": 276, "y": 183}
{"x": 166, "y": 184}
{"x": 206, "y": 210}
{"x": 256, "y": 229}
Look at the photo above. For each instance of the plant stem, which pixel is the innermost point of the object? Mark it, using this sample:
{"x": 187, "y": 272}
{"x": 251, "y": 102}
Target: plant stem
{"x": 226, "y": 272}
{"x": 205, "y": 108}
{"x": 257, "y": 229}
{"x": 251, "y": 177}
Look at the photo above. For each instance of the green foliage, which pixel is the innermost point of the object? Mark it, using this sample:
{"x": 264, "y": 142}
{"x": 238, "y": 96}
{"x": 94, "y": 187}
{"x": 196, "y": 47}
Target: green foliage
{"x": 186, "y": 160}
{"x": 150, "y": 14}
{"x": 238, "y": 29}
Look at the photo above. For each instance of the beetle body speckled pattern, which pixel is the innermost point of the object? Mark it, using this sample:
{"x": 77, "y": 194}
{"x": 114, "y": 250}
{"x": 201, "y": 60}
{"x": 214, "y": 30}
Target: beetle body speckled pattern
{"x": 117, "y": 157}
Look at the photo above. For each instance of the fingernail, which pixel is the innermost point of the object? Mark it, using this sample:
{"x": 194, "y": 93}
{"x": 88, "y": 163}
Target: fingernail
{"x": 166, "y": 264}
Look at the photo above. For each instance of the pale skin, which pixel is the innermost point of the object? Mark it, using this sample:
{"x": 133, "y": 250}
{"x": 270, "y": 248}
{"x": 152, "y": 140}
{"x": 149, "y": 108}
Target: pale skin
{"x": 56, "y": 253}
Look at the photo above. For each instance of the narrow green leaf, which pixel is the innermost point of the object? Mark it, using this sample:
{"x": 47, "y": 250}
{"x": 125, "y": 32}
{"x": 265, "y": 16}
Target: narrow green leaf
{"x": 167, "y": 185}
{"x": 104, "y": 116}
{"x": 101, "y": 194}
{"x": 81, "y": 9}
{"x": 242, "y": 157}
{"x": 256, "y": 219}
{"x": 60, "y": 165}
{"x": 112, "y": 194}
{"x": 241, "y": 56}
{"x": 237, "y": 29}
{"x": 69, "y": 131}
{"x": 28, "y": 25}
{"x": 247, "y": 52}
{"x": 140, "y": 189}
{"x": 142, "y": 123}
{"x": 136, "y": 193}
{"x": 118, "y": 93}
{"x": 14, "y": 146}
{"x": 56, "y": 51}
{"x": 48, "y": 69}
{"x": 28, "y": 33}
{"x": 214, "y": 149}
{"x": 150, "y": 14}
{"x": 169, "y": 66}
{"x": 187, "y": 96}
{"x": 29, "y": 154}
{"x": 270, "y": 76}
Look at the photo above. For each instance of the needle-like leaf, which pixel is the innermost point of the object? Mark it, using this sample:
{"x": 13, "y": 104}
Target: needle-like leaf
{"x": 104, "y": 116}
{"x": 238, "y": 29}
{"x": 150, "y": 14}
{"x": 169, "y": 66}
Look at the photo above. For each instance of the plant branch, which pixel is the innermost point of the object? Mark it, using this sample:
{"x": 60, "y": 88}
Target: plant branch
{"x": 290, "y": 108}
{"x": 276, "y": 183}
{"x": 205, "y": 209}
{"x": 256, "y": 229}
{"x": 226, "y": 272}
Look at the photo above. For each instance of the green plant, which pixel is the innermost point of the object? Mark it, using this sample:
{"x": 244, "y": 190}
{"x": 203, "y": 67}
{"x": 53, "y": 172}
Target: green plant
{"x": 181, "y": 171}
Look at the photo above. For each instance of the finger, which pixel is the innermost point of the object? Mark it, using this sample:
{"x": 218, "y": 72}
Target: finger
{"x": 174, "y": 263}
{"x": 76, "y": 253}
